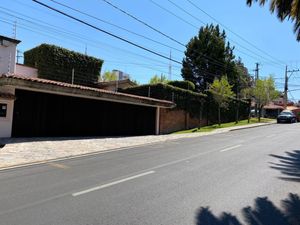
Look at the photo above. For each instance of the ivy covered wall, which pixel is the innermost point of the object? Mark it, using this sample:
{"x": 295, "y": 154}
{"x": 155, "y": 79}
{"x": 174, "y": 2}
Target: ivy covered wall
{"x": 60, "y": 64}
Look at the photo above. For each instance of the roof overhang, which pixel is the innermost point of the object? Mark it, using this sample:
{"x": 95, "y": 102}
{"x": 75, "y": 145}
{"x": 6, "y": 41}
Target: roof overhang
{"x": 10, "y": 39}
{"x": 54, "y": 87}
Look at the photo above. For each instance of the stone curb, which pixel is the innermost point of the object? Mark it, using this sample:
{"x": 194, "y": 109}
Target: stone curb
{"x": 249, "y": 127}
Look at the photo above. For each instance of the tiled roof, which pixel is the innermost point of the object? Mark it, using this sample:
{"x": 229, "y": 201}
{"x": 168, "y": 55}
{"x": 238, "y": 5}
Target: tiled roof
{"x": 85, "y": 88}
{"x": 273, "y": 106}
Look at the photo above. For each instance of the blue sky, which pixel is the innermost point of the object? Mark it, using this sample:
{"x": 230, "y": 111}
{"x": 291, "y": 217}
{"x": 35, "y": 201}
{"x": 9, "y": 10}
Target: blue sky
{"x": 264, "y": 38}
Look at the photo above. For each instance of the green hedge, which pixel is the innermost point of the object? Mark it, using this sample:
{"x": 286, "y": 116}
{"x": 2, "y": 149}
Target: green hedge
{"x": 191, "y": 101}
{"x": 184, "y": 99}
{"x": 183, "y": 84}
{"x": 210, "y": 110}
{"x": 56, "y": 63}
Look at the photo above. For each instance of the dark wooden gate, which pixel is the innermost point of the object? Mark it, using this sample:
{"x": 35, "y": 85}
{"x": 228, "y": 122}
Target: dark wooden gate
{"x": 42, "y": 115}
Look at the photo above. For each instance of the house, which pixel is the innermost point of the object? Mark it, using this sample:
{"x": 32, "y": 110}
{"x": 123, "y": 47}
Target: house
{"x": 275, "y": 107}
{"x": 33, "y": 106}
{"x": 121, "y": 75}
{"x": 272, "y": 110}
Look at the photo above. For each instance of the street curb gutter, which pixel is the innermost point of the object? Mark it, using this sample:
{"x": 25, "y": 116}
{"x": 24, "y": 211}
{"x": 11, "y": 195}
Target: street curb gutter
{"x": 44, "y": 162}
{"x": 261, "y": 125}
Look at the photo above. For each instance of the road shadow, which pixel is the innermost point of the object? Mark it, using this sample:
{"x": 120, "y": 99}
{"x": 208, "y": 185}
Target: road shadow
{"x": 264, "y": 212}
{"x": 288, "y": 165}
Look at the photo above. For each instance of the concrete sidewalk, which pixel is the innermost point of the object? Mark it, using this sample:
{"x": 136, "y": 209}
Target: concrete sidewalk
{"x": 25, "y": 151}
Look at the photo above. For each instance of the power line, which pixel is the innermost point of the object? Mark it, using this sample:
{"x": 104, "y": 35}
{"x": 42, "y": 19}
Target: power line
{"x": 213, "y": 61}
{"x": 55, "y": 37}
{"x": 142, "y": 22}
{"x": 158, "y": 31}
{"x": 196, "y": 27}
{"x": 185, "y": 11}
{"x": 182, "y": 9}
{"x": 106, "y": 32}
{"x": 117, "y": 26}
{"x": 226, "y": 27}
{"x": 173, "y": 14}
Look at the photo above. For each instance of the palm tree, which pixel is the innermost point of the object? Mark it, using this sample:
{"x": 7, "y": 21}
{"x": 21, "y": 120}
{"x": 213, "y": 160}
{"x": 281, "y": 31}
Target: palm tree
{"x": 285, "y": 9}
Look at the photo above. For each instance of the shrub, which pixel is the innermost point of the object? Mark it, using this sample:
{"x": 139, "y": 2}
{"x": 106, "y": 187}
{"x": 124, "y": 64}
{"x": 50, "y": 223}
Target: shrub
{"x": 56, "y": 63}
{"x": 188, "y": 85}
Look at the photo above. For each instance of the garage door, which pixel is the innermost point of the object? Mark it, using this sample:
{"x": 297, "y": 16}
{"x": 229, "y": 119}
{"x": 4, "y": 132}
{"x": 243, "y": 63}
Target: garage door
{"x": 40, "y": 114}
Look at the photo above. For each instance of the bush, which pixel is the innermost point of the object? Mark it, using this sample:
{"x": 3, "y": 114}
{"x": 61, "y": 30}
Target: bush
{"x": 191, "y": 101}
{"x": 188, "y": 85}
{"x": 184, "y": 99}
{"x": 56, "y": 63}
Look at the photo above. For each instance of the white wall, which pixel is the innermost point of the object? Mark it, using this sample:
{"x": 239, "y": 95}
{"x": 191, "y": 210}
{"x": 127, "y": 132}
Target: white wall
{"x": 6, "y": 122}
{"x": 26, "y": 71}
{"x": 7, "y": 57}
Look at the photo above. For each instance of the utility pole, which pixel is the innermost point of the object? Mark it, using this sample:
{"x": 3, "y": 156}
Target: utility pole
{"x": 286, "y": 84}
{"x": 15, "y": 30}
{"x": 256, "y": 71}
{"x": 256, "y": 78}
{"x": 170, "y": 66}
{"x": 285, "y": 98}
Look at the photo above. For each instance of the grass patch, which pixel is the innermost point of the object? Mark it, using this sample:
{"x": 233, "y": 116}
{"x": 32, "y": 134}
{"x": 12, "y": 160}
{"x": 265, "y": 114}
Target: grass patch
{"x": 224, "y": 125}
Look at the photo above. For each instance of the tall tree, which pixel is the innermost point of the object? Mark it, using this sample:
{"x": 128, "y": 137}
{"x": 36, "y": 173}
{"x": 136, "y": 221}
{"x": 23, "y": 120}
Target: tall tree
{"x": 208, "y": 56}
{"x": 285, "y": 9}
{"x": 264, "y": 92}
{"x": 222, "y": 93}
{"x": 243, "y": 81}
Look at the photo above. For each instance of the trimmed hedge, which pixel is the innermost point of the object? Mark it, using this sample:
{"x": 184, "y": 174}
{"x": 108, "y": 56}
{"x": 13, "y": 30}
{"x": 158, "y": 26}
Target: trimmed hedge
{"x": 188, "y": 85}
{"x": 56, "y": 63}
{"x": 210, "y": 110}
{"x": 191, "y": 102}
{"x": 184, "y": 99}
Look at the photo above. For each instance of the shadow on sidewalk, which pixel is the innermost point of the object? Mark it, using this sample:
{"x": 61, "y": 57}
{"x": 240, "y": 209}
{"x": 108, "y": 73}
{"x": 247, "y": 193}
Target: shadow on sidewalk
{"x": 264, "y": 212}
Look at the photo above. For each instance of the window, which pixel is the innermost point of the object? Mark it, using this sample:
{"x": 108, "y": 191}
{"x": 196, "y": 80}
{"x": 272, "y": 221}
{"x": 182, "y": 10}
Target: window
{"x": 3, "y": 110}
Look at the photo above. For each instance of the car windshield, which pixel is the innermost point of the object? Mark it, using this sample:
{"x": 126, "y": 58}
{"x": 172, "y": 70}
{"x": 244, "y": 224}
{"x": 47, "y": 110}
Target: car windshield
{"x": 286, "y": 113}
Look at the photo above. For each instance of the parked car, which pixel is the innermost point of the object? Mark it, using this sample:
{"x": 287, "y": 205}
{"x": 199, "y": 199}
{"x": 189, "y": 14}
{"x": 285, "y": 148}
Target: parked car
{"x": 286, "y": 117}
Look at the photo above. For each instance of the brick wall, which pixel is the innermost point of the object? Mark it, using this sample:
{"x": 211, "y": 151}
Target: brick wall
{"x": 172, "y": 120}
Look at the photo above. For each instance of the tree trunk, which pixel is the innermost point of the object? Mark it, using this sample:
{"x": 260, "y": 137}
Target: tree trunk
{"x": 219, "y": 115}
{"x": 237, "y": 112}
{"x": 249, "y": 110}
{"x": 259, "y": 113}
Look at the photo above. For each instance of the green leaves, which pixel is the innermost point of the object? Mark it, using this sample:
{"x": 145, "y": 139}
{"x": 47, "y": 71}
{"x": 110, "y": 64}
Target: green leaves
{"x": 289, "y": 9}
{"x": 109, "y": 76}
{"x": 222, "y": 91}
{"x": 207, "y": 56}
{"x": 56, "y": 63}
{"x": 265, "y": 91}
{"x": 158, "y": 79}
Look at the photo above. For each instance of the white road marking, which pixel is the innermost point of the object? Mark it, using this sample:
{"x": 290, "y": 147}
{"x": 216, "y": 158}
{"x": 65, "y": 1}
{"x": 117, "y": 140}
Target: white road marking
{"x": 230, "y": 148}
{"x": 112, "y": 183}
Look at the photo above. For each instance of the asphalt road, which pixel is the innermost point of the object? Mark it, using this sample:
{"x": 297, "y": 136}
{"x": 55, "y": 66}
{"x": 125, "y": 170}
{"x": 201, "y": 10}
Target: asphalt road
{"x": 165, "y": 183}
